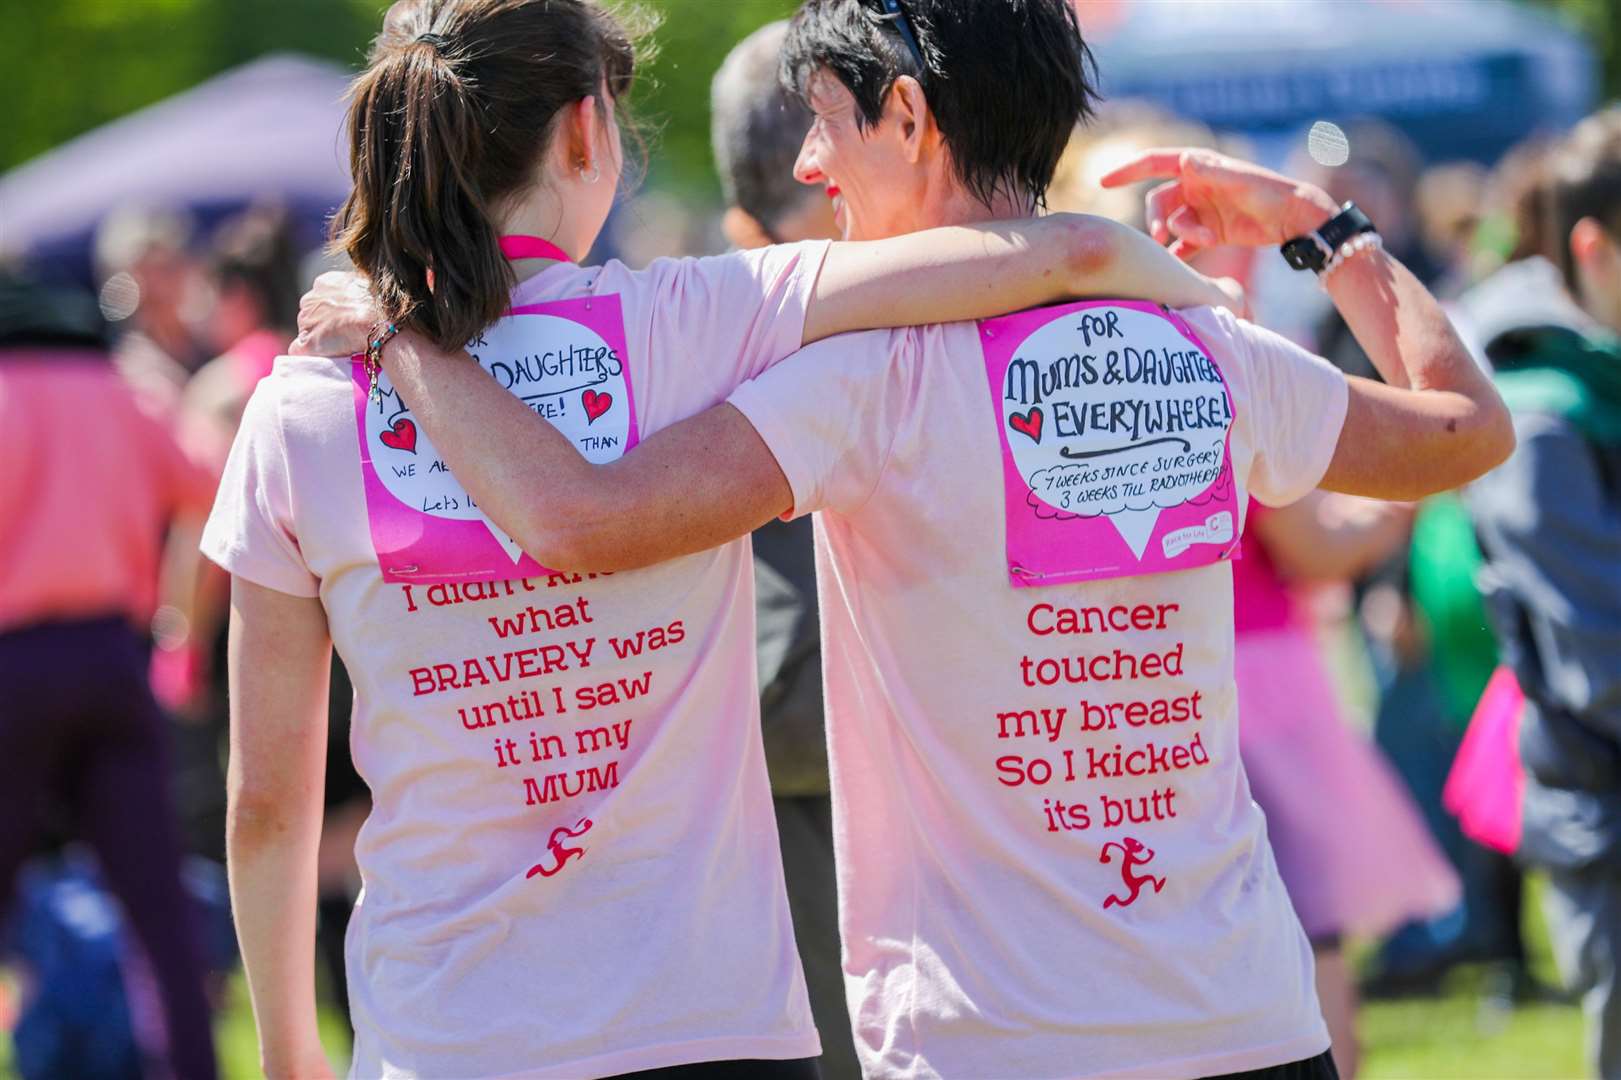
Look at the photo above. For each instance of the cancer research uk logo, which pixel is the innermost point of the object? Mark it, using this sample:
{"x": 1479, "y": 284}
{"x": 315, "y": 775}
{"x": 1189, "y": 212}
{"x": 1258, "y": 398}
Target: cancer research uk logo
{"x": 565, "y": 361}
{"x": 1115, "y": 418}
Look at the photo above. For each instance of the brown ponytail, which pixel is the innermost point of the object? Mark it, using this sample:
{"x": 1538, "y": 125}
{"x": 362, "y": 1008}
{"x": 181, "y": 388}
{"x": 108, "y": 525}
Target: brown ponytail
{"x": 449, "y": 118}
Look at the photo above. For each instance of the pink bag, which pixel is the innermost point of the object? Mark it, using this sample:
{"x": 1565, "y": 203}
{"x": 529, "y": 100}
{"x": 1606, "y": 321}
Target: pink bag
{"x": 1485, "y": 790}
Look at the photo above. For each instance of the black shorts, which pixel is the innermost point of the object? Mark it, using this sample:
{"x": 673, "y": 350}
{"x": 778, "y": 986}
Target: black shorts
{"x": 1320, "y": 1067}
{"x": 800, "y": 1069}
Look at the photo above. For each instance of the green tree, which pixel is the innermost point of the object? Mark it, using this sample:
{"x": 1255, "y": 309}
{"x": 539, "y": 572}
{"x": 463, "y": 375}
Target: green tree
{"x": 1601, "y": 21}
{"x": 72, "y": 65}
{"x": 693, "y": 37}
{"x": 77, "y": 64}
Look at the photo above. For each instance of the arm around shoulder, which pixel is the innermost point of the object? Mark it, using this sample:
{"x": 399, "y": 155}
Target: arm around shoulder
{"x": 700, "y": 483}
{"x": 696, "y": 485}
{"x": 978, "y": 271}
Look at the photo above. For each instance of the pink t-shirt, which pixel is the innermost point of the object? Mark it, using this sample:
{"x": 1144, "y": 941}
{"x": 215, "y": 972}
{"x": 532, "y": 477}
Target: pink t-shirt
{"x": 571, "y": 865}
{"x": 90, "y": 479}
{"x": 1261, "y": 599}
{"x": 1049, "y": 861}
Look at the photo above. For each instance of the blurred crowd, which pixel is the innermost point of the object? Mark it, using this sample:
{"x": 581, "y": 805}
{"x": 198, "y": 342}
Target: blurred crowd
{"x": 120, "y": 407}
{"x": 1453, "y": 715}
{"x": 1484, "y": 623}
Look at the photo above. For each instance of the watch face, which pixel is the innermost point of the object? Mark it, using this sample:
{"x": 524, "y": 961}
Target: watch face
{"x": 1298, "y": 253}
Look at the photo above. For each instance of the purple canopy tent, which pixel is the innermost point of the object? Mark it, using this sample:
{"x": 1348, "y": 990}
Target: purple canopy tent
{"x": 268, "y": 130}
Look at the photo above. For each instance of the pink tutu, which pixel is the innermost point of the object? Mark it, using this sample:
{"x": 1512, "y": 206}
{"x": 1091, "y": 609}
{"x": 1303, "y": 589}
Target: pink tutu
{"x": 1350, "y": 844}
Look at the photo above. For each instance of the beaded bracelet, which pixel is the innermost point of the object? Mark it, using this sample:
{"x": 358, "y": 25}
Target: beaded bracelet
{"x": 380, "y": 335}
{"x": 1368, "y": 241}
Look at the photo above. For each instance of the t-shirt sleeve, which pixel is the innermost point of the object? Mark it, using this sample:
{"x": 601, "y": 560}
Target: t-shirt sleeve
{"x": 744, "y": 311}
{"x": 250, "y": 532}
{"x": 1297, "y": 403}
{"x": 830, "y": 414}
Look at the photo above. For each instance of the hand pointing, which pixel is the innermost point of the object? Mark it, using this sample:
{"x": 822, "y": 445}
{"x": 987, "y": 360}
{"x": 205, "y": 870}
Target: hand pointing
{"x": 1210, "y": 199}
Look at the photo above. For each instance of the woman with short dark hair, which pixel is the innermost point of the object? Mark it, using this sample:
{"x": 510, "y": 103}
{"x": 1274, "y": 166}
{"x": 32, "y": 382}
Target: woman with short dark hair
{"x": 569, "y": 868}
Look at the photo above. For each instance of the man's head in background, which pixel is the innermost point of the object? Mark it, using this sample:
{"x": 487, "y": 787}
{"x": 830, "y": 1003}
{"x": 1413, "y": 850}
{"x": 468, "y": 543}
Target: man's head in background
{"x": 928, "y": 112}
{"x": 1584, "y": 203}
{"x": 1516, "y": 218}
{"x": 1448, "y": 201}
{"x": 253, "y": 263}
{"x": 757, "y": 128}
{"x": 1120, "y": 131}
{"x": 149, "y": 278}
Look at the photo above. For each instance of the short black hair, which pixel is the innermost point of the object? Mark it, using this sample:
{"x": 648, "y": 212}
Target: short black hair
{"x": 757, "y": 128}
{"x": 1007, "y": 80}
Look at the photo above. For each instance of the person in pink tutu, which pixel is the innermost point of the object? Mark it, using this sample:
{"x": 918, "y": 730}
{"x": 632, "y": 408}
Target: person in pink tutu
{"x": 1350, "y": 844}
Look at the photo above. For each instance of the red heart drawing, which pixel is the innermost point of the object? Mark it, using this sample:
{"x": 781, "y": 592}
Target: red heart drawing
{"x": 1028, "y": 424}
{"x": 402, "y": 437}
{"x": 595, "y": 404}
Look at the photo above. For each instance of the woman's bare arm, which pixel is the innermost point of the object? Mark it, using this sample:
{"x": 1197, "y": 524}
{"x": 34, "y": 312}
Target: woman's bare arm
{"x": 519, "y": 469}
{"x": 1438, "y": 423}
{"x": 978, "y": 271}
{"x": 686, "y": 488}
{"x": 938, "y": 275}
{"x": 1331, "y": 537}
{"x": 280, "y": 661}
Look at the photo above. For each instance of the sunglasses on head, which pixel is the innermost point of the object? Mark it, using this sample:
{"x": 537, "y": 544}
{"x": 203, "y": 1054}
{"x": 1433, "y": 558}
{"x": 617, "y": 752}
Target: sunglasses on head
{"x": 895, "y": 15}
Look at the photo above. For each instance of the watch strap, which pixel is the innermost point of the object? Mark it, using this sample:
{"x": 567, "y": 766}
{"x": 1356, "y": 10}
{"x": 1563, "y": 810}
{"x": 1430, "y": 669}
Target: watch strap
{"x": 1315, "y": 250}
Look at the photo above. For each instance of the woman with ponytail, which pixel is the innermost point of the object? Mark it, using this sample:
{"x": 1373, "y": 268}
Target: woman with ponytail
{"x": 570, "y": 868}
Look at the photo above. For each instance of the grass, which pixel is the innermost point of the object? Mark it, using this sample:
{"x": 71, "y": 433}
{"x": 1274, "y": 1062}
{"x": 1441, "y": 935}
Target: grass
{"x": 1449, "y": 1036}
{"x": 238, "y": 1043}
{"x": 1455, "y": 1035}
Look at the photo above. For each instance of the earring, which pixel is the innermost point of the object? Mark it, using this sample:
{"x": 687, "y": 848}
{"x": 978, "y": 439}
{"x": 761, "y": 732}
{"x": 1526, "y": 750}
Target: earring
{"x": 593, "y": 176}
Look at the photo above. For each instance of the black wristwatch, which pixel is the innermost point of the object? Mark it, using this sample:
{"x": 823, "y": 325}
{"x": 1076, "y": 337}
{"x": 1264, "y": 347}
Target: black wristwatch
{"x": 1315, "y": 251}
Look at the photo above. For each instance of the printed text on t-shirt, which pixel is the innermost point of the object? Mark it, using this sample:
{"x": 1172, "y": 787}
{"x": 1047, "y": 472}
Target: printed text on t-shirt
{"x": 552, "y": 724}
{"x": 1104, "y": 756}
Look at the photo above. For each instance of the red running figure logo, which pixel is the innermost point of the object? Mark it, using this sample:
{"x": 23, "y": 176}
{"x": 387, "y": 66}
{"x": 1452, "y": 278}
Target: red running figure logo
{"x": 1132, "y": 854}
{"x": 560, "y": 854}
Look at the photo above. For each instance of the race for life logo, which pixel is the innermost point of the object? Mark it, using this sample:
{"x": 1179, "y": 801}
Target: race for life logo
{"x": 566, "y": 361}
{"x": 1114, "y": 431}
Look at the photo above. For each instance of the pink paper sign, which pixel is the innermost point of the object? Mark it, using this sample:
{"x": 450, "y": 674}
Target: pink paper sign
{"x": 566, "y": 361}
{"x": 1114, "y": 423}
